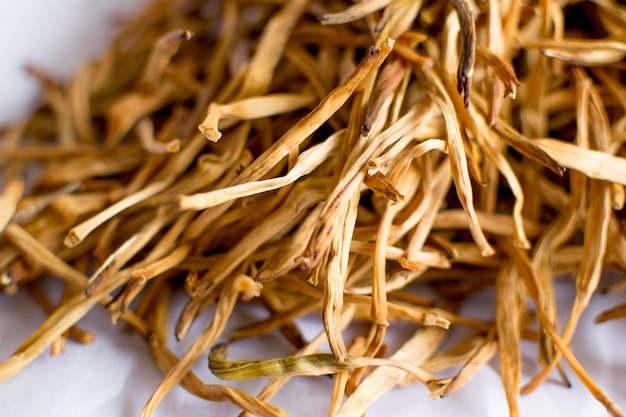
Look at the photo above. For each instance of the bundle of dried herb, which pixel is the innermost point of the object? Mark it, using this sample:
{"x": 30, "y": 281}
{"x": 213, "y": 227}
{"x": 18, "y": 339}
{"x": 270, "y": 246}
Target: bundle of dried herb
{"x": 322, "y": 157}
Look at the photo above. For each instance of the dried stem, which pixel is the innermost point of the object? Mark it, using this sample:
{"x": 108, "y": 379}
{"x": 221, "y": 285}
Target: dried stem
{"x": 341, "y": 167}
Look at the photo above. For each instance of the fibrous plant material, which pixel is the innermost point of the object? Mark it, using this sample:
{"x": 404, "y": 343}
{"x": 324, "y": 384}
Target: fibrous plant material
{"x": 365, "y": 164}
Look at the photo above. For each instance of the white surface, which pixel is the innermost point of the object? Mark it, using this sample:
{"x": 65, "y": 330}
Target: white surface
{"x": 115, "y": 376}
{"x": 54, "y": 35}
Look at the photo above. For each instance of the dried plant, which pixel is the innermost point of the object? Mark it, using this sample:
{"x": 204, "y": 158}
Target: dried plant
{"x": 336, "y": 159}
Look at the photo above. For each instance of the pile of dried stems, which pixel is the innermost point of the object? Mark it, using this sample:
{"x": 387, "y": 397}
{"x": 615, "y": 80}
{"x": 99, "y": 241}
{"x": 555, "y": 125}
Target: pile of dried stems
{"x": 319, "y": 157}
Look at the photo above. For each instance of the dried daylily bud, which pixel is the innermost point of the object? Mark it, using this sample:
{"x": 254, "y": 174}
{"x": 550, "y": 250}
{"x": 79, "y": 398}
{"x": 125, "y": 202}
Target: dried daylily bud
{"x": 355, "y": 149}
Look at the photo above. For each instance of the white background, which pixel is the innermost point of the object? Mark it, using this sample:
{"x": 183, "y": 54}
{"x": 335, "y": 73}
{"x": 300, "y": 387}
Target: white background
{"x": 114, "y": 376}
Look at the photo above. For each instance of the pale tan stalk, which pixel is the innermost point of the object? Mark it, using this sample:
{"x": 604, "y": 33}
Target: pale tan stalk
{"x": 311, "y": 122}
{"x": 351, "y": 178}
{"x": 337, "y": 268}
{"x": 46, "y": 152}
{"x": 80, "y": 106}
{"x": 58, "y": 345}
{"x": 303, "y": 196}
{"x": 62, "y": 319}
{"x": 595, "y": 164}
{"x": 409, "y": 54}
{"x": 425, "y": 316}
{"x": 78, "y": 233}
{"x": 285, "y": 260}
{"x": 488, "y": 143}
{"x": 428, "y": 256}
{"x": 478, "y": 357}
{"x": 170, "y": 261}
{"x": 44, "y": 257}
{"x": 11, "y": 195}
{"x": 59, "y": 102}
{"x": 277, "y": 320}
{"x": 527, "y": 147}
{"x": 497, "y": 224}
{"x": 589, "y": 273}
{"x": 614, "y": 313}
{"x": 116, "y": 161}
{"x": 306, "y": 163}
{"x": 250, "y": 109}
{"x": 402, "y": 149}
{"x": 583, "y": 51}
{"x": 561, "y": 230}
{"x": 355, "y": 12}
{"x": 76, "y": 333}
{"x": 435, "y": 185}
{"x": 526, "y": 273}
{"x": 71, "y": 207}
{"x": 169, "y": 241}
{"x": 509, "y": 311}
{"x": 161, "y": 54}
{"x": 129, "y": 108}
{"x": 270, "y": 48}
{"x": 407, "y": 156}
{"x": 307, "y": 65}
{"x": 458, "y": 353}
{"x": 126, "y": 251}
{"x": 458, "y": 160}
{"x": 166, "y": 360}
{"x": 379, "y": 309}
{"x": 415, "y": 351}
{"x": 494, "y": 82}
{"x": 239, "y": 284}
{"x": 145, "y": 132}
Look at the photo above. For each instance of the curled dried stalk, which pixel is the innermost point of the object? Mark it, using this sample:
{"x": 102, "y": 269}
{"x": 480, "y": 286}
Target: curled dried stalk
{"x": 145, "y": 132}
{"x": 311, "y": 365}
{"x": 249, "y": 109}
{"x": 165, "y": 359}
